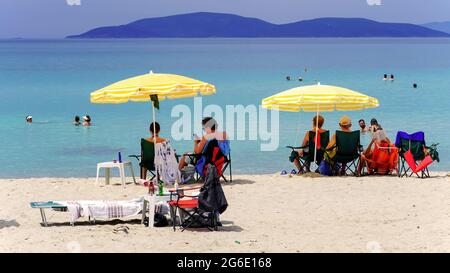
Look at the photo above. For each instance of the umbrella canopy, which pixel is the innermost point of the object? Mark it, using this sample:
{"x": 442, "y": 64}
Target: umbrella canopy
{"x": 325, "y": 98}
{"x": 139, "y": 88}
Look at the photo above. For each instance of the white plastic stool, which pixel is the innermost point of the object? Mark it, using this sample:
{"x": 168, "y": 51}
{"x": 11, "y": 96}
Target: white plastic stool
{"x": 121, "y": 166}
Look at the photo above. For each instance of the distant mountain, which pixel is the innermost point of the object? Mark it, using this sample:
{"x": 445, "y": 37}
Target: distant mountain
{"x": 439, "y": 26}
{"x": 206, "y": 25}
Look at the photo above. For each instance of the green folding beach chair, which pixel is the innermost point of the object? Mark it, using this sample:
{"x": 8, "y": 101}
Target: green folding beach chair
{"x": 308, "y": 157}
{"x": 348, "y": 153}
{"x": 147, "y": 157}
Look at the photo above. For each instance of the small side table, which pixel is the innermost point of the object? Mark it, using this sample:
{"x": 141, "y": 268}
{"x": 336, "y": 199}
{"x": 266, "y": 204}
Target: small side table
{"x": 149, "y": 204}
{"x": 121, "y": 166}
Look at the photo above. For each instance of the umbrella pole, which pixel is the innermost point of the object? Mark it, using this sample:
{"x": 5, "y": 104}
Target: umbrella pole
{"x": 316, "y": 137}
{"x": 154, "y": 143}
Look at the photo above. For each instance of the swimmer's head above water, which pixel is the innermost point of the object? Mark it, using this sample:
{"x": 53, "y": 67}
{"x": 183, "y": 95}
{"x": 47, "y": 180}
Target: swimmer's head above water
{"x": 29, "y": 119}
{"x": 86, "y": 120}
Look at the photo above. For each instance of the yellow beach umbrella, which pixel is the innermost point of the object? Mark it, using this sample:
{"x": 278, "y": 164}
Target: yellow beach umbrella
{"x": 316, "y": 98}
{"x": 152, "y": 87}
{"x": 139, "y": 89}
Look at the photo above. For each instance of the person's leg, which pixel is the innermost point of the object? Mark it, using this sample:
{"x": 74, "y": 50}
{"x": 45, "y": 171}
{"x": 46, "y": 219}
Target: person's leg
{"x": 143, "y": 173}
{"x": 362, "y": 163}
{"x": 297, "y": 164}
{"x": 182, "y": 163}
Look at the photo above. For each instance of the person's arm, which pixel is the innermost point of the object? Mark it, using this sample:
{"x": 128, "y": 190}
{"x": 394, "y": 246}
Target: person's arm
{"x": 332, "y": 142}
{"x": 198, "y": 145}
{"x": 305, "y": 139}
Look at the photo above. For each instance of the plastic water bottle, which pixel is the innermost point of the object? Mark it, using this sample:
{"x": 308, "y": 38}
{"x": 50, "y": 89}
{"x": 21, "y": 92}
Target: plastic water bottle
{"x": 160, "y": 189}
{"x": 120, "y": 157}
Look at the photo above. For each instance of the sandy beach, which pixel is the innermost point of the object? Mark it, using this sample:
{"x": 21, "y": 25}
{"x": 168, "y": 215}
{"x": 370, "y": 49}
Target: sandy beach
{"x": 267, "y": 213}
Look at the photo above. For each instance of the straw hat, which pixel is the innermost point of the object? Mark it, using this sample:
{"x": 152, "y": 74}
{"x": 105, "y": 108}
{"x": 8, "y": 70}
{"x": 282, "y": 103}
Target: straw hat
{"x": 345, "y": 121}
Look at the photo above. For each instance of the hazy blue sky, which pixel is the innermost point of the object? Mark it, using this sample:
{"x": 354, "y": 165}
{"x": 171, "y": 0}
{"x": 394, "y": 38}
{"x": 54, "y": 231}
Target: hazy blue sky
{"x": 55, "y": 18}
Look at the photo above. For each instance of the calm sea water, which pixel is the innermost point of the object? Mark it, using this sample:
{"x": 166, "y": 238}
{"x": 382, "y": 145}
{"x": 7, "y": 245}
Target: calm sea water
{"x": 52, "y": 79}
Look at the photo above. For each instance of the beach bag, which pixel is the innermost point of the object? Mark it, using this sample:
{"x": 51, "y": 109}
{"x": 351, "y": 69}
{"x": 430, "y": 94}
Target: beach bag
{"x": 325, "y": 168}
{"x": 188, "y": 174}
{"x": 159, "y": 220}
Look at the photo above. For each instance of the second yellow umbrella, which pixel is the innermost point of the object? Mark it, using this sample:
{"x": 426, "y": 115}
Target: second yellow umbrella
{"x": 317, "y": 98}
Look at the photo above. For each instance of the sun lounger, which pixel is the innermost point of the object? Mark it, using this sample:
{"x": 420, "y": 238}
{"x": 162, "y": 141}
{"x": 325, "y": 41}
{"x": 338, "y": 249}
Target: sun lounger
{"x": 92, "y": 209}
{"x": 47, "y": 205}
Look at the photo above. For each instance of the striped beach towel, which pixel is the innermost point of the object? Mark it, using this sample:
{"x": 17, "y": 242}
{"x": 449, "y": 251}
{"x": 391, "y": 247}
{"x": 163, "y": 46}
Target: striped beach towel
{"x": 102, "y": 209}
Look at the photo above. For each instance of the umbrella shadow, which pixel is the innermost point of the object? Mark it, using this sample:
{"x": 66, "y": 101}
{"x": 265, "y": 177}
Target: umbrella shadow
{"x": 7, "y": 224}
{"x": 239, "y": 182}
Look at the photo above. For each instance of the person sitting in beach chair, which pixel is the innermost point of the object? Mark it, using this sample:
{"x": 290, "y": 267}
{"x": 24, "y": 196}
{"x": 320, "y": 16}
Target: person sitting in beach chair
{"x": 381, "y": 156}
{"x": 343, "y": 150}
{"x": 415, "y": 156}
{"x": 165, "y": 161}
{"x": 304, "y": 155}
{"x": 213, "y": 146}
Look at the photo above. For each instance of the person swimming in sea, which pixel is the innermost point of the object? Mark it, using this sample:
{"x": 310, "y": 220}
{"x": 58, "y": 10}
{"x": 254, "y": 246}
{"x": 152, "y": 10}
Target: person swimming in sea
{"x": 288, "y": 78}
{"x": 29, "y": 119}
{"x": 300, "y": 79}
{"x": 392, "y": 78}
{"x": 76, "y": 121}
{"x": 87, "y": 121}
{"x": 415, "y": 86}
{"x": 385, "y": 77}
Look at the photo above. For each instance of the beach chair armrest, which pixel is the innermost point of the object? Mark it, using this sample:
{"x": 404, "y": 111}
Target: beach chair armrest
{"x": 138, "y": 157}
{"x": 329, "y": 149}
{"x": 296, "y": 148}
{"x": 185, "y": 189}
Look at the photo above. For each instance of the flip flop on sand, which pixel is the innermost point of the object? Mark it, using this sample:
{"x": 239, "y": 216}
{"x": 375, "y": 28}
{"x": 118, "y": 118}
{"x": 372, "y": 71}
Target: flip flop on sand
{"x": 293, "y": 172}
{"x": 123, "y": 229}
{"x": 283, "y": 172}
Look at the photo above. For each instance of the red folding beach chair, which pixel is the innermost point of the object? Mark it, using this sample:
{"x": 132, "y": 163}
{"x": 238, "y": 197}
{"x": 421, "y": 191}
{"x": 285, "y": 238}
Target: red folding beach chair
{"x": 188, "y": 205}
{"x": 415, "y": 168}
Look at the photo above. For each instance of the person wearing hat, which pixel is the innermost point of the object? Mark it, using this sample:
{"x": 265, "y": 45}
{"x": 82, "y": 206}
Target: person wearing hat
{"x": 29, "y": 119}
{"x": 345, "y": 123}
{"x": 87, "y": 120}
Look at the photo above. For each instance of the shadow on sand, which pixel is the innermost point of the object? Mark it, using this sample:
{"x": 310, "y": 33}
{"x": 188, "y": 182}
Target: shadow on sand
{"x": 7, "y": 224}
{"x": 239, "y": 182}
{"x": 227, "y": 225}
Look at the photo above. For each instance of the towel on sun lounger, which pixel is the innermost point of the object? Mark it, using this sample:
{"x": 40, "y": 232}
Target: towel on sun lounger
{"x": 102, "y": 209}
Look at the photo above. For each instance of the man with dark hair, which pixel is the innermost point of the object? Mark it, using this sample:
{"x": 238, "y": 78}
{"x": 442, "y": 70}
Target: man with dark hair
{"x": 210, "y": 123}
{"x": 209, "y": 126}
{"x": 362, "y": 126}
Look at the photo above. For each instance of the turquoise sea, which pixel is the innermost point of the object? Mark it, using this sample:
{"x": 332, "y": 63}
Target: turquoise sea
{"x": 52, "y": 80}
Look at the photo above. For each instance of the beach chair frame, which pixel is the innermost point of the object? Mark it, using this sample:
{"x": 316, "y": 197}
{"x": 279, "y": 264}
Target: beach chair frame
{"x": 226, "y": 166}
{"x": 189, "y": 207}
{"x": 347, "y": 162}
{"x": 307, "y": 158}
{"x": 151, "y": 166}
{"x": 42, "y": 206}
{"x": 403, "y": 169}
